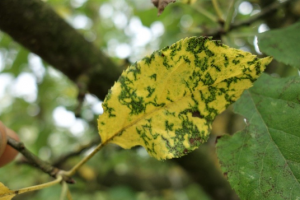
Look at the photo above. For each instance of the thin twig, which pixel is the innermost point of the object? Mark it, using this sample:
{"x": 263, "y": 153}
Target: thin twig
{"x": 38, "y": 187}
{"x": 36, "y": 161}
{"x": 50, "y": 169}
{"x": 205, "y": 13}
{"x": 274, "y": 6}
{"x": 218, "y": 11}
{"x": 64, "y": 191}
{"x": 229, "y": 15}
{"x": 62, "y": 159}
{"x": 32, "y": 159}
{"x": 217, "y": 33}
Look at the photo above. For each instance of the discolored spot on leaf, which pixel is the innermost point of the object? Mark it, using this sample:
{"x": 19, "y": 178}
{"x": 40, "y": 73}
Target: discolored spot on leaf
{"x": 197, "y": 114}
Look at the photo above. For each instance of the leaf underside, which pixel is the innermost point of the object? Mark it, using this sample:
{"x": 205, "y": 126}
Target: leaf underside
{"x": 263, "y": 160}
{"x": 166, "y": 102}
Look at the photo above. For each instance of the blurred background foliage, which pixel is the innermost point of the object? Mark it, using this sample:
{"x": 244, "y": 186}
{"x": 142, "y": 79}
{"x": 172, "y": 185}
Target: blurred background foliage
{"x": 38, "y": 102}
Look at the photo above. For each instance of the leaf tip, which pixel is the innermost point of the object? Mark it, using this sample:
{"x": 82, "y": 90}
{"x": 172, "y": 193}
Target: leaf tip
{"x": 267, "y": 60}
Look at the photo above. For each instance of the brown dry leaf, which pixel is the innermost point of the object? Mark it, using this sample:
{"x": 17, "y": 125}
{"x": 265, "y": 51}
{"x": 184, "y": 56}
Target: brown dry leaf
{"x": 5, "y": 193}
{"x": 161, "y": 4}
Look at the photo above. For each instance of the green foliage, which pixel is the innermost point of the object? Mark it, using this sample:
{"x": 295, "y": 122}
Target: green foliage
{"x": 283, "y": 44}
{"x": 262, "y": 161}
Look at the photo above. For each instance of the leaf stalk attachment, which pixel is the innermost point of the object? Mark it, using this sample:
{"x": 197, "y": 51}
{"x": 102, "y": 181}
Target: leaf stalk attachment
{"x": 72, "y": 171}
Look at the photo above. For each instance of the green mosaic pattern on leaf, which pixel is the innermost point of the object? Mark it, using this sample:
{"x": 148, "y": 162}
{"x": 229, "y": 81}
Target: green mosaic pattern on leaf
{"x": 263, "y": 160}
{"x": 167, "y": 101}
{"x": 283, "y": 44}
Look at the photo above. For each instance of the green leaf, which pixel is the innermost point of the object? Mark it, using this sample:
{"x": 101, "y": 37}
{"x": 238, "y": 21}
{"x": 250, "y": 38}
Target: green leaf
{"x": 263, "y": 160}
{"x": 167, "y": 101}
{"x": 283, "y": 44}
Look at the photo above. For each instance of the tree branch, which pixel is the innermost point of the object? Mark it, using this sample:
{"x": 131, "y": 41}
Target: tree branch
{"x": 37, "y": 27}
{"x": 34, "y": 160}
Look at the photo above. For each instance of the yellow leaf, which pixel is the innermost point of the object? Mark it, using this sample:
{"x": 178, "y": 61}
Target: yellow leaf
{"x": 167, "y": 101}
{"x": 5, "y": 193}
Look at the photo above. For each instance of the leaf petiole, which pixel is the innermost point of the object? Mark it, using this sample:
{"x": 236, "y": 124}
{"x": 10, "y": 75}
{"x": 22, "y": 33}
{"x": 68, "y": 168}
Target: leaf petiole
{"x": 229, "y": 15}
{"x": 36, "y": 187}
{"x": 218, "y": 10}
{"x": 65, "y": 193}
{"x": 204, "y": 12}
{"x": 72, "y": 171}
